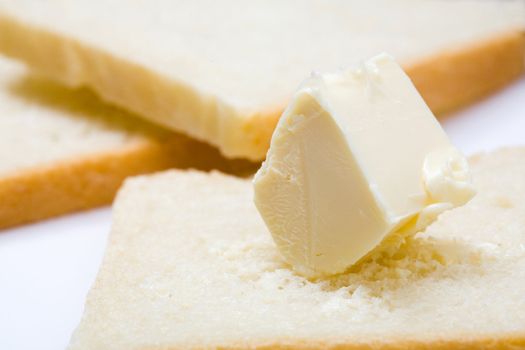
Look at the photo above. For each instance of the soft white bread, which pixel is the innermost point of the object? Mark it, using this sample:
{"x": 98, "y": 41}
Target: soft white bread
{"x": 191, "y": 265}
{"x": 63, "y": 150}
{"x": 222, "y": 71}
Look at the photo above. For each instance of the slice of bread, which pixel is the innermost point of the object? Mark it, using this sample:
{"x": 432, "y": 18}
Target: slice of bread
{"x": 191, "y": 265}
{"x": 63, "y": 150}
{"x": 222, "y": 71}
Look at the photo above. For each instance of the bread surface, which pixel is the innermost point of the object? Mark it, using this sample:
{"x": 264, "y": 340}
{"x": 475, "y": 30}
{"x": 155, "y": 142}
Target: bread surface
{"x": 222, "y": 71}
{"x": 63, "y": 150}
{"x": 190, "y": 264}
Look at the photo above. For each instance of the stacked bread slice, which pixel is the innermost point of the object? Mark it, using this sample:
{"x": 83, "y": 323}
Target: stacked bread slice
{"x": 219, "y": 72}
{"x": 222, "y": 71}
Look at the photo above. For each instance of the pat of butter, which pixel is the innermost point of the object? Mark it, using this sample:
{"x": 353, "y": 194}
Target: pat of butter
{"x": 356, "y": 157}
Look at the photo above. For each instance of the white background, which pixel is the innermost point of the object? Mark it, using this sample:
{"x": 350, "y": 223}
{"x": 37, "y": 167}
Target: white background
{"x": 46, "y": 269}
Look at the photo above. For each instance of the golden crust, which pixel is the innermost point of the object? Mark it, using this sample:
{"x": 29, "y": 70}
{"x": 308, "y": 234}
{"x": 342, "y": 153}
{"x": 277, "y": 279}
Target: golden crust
{"x": 509, "y": 341}
{"x": 91, "y": 181}
{"x": 456, "y": 78}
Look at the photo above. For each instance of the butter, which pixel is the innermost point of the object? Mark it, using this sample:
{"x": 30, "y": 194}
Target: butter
{"x": 356, "y": 157}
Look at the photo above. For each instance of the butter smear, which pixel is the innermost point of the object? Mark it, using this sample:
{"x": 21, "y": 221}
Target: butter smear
{"x": 356, "y": 157}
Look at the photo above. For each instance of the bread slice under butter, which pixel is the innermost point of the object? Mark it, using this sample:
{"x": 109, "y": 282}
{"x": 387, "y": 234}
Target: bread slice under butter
{"x": 222, "y": 71}
{"x": 63, "y": 150}
{"x": 190, "y": 265}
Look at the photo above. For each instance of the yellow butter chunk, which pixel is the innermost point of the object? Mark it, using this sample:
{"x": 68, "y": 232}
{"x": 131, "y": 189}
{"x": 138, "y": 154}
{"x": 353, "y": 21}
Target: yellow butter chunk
{"x": 355, "y": 157}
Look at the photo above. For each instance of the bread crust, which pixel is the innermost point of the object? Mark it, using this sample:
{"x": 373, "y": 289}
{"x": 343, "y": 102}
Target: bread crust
{"x": 506, "y": 342}
{"x": 458, "y": 77}
{"x": 467, "y": 343}
{"x": 447, "y": 81}
{"x": 91, "y": 181}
